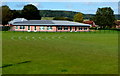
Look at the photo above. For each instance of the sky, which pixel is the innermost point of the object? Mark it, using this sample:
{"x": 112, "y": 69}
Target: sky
{"x": 60, "y": 0}
{"x": 84, "y": 7}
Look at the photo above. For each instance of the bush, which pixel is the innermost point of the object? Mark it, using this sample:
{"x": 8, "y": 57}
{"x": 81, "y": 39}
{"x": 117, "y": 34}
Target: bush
{"x": 4, "y": 28}
{"x": 93, "y": 28}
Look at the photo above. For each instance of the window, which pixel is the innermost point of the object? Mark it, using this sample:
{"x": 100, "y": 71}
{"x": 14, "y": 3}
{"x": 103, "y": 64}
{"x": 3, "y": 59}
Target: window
{"x": 28, "y": 27}
{"x": 42, "y": 28}
{"x": 60, "y": 28}
{"x": 85, "y": 28}
{"x": 49, "y": 27}
{"x": 80, "y": 28}
{"x": 34, "y": 27}
{"x": 65, "y": 28}
{"x": 22, "y": 27}
{"x": 16, "y": 27}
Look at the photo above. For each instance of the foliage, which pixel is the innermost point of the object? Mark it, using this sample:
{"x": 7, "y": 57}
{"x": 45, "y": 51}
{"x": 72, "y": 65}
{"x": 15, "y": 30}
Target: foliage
{"x": 69, "y": 14}
{"x": 104, "y": 17}
{"x": 6, "y": 14}
{"x": 16, "y": 14}
{"x": 30, "y": 12}
{"x": 78, "y": 17}
{"x": 5, "y": 28}
{"x": 93, "y": 28}
{"x": 56, "y": 13}
{"x": 35, "y": 14}
{"x": 62, "y": 18}
{"x": 0, "y": 15}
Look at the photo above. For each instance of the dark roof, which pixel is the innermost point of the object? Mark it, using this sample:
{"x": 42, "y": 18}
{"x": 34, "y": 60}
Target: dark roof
{"x": 47, "y": 22}
{"x": 30, "y": 22}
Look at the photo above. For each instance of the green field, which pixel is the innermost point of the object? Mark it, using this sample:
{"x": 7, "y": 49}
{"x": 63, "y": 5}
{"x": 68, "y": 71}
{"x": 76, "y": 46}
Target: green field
{"x": 60, "y": 53}
{"x": 47, "y": 18}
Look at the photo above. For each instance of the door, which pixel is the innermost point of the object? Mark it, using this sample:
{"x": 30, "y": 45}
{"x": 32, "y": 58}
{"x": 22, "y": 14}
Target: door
{"x": 71, "y": 29}
{"x": 28, "y": 28}
{"x": 35, "y": 29}
{"x": 75, "y": 29}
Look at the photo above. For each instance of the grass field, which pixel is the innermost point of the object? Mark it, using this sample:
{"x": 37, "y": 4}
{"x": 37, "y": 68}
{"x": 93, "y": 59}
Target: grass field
{"x": 60, "y": 53}
{"x": 47, "y": 18}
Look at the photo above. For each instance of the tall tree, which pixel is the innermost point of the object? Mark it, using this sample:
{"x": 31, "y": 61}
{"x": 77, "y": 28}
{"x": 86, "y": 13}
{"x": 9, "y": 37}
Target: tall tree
{"x": 104, "y": 17}
{"x": 6, "y": 15}
{"x": 78, "y": 17}
{"x": 16, "y": 14}
{"x": 31, "y": 12}
{"x": 0, "y": 15}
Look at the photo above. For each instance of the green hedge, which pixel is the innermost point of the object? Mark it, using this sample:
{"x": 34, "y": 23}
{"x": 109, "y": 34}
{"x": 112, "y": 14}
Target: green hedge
{"x": 4, "y": 28}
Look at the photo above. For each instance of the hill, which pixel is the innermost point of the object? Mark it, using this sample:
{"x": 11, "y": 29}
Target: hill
{"x": 70, "y": 14}
{"x": 62, "y": 13}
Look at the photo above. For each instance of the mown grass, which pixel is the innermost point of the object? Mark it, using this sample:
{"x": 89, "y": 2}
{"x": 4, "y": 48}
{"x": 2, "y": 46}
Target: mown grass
{"x": 72, "y": 53}
{"x": 47, "y": 18}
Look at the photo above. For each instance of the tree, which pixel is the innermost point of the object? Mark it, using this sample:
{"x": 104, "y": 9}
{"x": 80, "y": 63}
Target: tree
{"x": 0, "y": 15}
{"x": 6, "y": 15}
{"x": 78, "y": 17}
{"x": 31, "y": 12}
{"x": 104, "y": 17}
{"x": 16, "y": 14}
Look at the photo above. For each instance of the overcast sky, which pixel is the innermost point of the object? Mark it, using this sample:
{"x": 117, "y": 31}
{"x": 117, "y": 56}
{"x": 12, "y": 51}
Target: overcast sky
{"x": 85, "y": 7}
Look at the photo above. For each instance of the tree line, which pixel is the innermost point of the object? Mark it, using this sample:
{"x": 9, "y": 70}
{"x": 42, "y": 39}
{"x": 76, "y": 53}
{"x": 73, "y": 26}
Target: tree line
{"x": 104, "y": 17}
{"x": 69, "y": 14}
{"x": 29, "y": 12}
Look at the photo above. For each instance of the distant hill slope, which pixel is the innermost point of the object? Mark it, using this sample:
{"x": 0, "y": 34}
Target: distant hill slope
{"x": 62, "y": 13}
{"x": 56, "y": 13}
{"x": 70, "y": 14}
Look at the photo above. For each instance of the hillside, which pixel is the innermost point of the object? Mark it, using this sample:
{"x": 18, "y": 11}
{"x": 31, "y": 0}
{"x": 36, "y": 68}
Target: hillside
{"x": 56, "y": 13}
{"x": 61, "y": 13}
{"x": 70, "y": 14}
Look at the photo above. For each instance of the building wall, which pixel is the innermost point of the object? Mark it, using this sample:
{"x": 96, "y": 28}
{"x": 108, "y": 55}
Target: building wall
{"x": 20, "y": 29}
{"x": 82, "y": 29}
{"x": 62, "y": 29}
{"x": 12, "y": 28}
{"x": 45, "y": 29}
{"x": 1, "y": 25}
{"x": 54, "y": 29}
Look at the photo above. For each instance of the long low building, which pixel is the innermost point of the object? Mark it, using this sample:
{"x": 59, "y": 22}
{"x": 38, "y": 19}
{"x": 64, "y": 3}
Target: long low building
{"x": 21, "y": 24}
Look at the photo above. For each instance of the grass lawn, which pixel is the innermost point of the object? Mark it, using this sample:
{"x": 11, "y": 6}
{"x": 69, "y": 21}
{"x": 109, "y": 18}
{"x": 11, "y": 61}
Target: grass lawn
{"x": 60, "y": 53}
{"x": 47, "y": 18}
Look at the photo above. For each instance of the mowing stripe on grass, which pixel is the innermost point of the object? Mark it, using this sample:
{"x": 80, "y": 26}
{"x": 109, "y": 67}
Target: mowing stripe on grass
{"x": 7, "y": 65}
{"x": 20, "y": 38}
{"x": 35, "y": 38}
{"x": 12, "y": 38}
